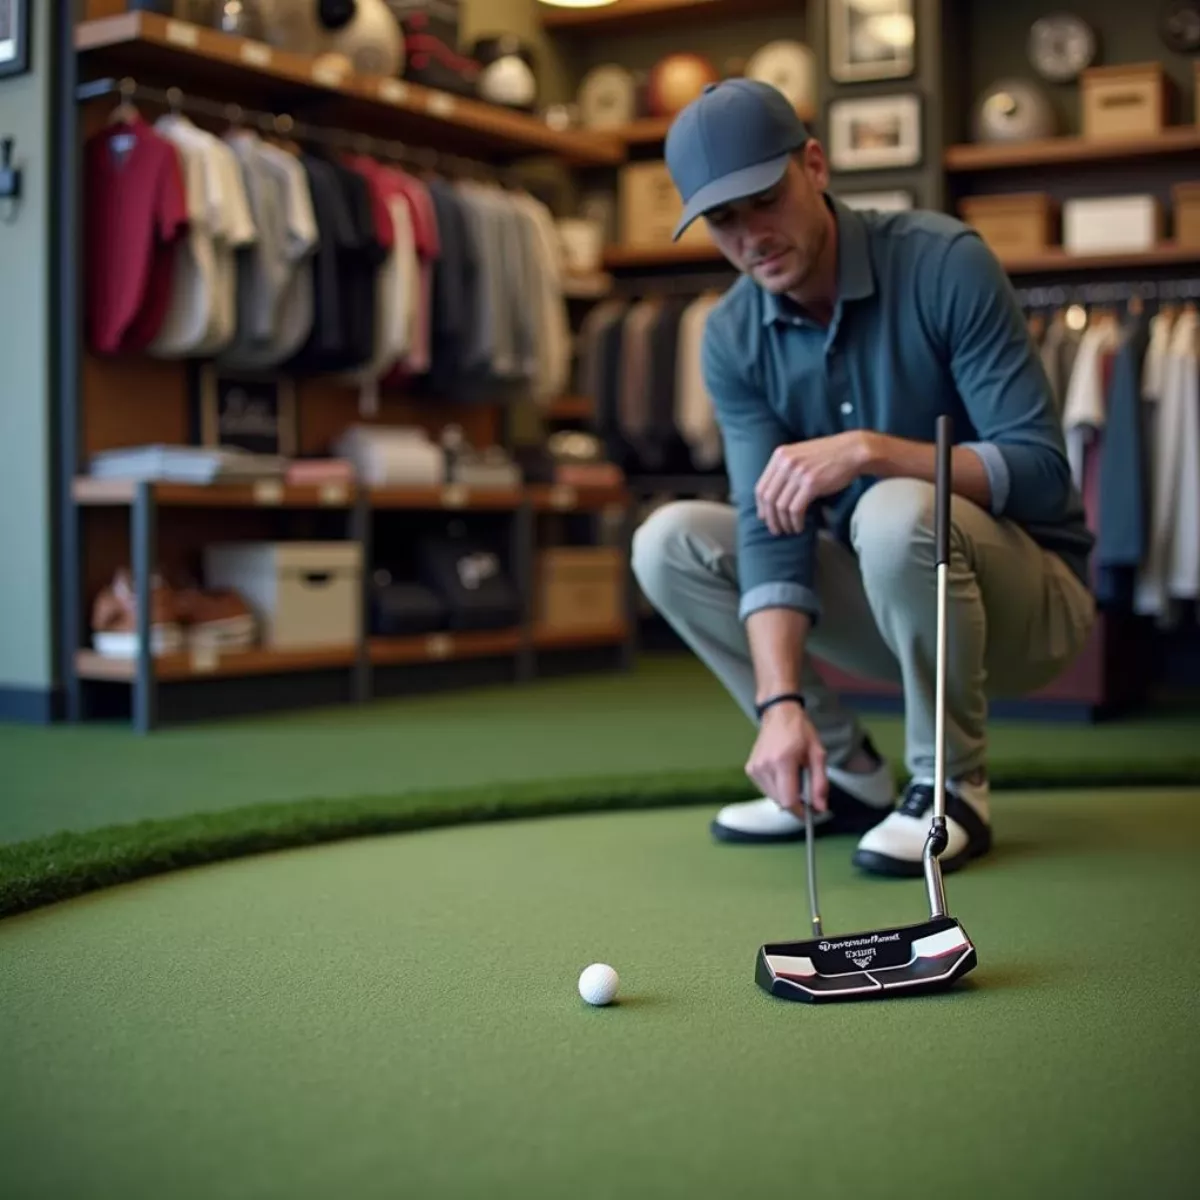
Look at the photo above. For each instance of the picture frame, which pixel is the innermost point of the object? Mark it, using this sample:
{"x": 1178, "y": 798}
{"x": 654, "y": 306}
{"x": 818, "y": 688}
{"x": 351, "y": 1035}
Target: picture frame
{"x": 871, "y": 40}
{"x": 884, "y": 200}
{"x": 16, "y": 17}
{"x": 248, "y": 411}
{"x": 874, "y": 133}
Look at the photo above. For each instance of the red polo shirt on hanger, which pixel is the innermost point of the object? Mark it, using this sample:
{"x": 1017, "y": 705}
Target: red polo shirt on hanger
{"x": 135, "y": 212}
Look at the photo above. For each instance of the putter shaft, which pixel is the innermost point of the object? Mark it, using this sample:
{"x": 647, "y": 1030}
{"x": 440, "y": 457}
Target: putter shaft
{"x": 935, "y": 843}
{"x": 811, "y": 856}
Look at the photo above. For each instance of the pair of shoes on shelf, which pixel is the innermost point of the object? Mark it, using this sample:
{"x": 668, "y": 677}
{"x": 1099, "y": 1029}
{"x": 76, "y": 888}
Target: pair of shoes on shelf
{"x": 893, "y": 834}
{"x": 181, "y": 619}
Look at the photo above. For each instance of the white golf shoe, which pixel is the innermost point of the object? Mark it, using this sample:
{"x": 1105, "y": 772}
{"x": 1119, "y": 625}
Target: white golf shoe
{"x": 857, "y": 801}
{"x": 895, "y": 846}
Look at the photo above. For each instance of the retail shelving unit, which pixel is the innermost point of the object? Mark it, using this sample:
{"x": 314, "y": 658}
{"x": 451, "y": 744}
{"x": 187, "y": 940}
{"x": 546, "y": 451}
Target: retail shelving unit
{"x": 119, "y": 401}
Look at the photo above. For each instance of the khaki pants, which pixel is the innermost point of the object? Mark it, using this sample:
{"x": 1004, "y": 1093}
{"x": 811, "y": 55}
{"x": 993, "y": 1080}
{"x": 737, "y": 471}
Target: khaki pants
{"x": 1016, "y": 615}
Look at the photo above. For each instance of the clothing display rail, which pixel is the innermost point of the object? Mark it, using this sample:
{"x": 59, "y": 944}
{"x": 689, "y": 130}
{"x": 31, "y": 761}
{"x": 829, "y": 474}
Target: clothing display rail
{"x": 1051, "y": 296}
{"x": 283, "y": 124}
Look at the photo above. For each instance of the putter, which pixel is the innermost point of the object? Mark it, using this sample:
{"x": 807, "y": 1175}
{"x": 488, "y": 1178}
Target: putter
{"x": 905, "y": 959}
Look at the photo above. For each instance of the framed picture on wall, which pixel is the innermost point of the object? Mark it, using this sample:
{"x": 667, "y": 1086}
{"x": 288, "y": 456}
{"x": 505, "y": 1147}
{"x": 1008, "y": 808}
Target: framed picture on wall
{"x": 872, "y": 133}
{"x": 15, "y": 19}
{"x": 871, "y": 39}
{"x": 891, "y": 200}
{"x": 246, "y": 410}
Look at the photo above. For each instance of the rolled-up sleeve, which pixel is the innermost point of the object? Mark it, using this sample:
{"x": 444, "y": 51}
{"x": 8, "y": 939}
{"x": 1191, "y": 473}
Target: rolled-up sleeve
{"x": 1002, "y": 382}
{"x": 773, "y": 571}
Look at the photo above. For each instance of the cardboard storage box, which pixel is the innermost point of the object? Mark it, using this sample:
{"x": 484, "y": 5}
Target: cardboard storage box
{"x": 305, "y": 594}
{"x": 1112, "y": 224}
{"x": 1015, "y": 226}
{"x": 650, "y": 206}
{"x": 580, "y": 587}
{"x": 1126, "y": 101}
{"x": 1185, "y": 200}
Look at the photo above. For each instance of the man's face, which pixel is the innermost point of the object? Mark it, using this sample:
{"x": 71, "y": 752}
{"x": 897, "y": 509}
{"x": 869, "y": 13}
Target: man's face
{"x": 778, "y": 235}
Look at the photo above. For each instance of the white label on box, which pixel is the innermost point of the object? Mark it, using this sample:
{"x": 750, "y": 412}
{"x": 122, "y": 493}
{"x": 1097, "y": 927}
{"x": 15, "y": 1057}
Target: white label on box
{"x": 455, "y": 496}
{"x": 333, "y": 494}
{"x": 393, "y": 91}
{"x": 256, "y": 54}
{"x": 180, "y": 33}
{"x": 439, "y": 645}
{"x": 563, "y": 497}
{"x": 204, "y": 659}
{"x": 441, "y": 104}
{"x": 268, "y": 491}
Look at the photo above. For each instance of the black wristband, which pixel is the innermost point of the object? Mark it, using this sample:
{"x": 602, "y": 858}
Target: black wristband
{"x": 782, "y": 698}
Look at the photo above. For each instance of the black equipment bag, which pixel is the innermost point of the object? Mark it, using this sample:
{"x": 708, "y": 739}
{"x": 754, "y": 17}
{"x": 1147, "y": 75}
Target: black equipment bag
{"x": 470, "y": 578}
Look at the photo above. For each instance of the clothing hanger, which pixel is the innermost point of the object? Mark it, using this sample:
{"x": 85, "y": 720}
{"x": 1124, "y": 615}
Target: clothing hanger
{"x": 125, "y": 112}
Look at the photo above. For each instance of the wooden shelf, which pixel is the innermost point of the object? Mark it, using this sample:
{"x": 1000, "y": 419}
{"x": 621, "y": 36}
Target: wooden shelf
{"x": 113, "y": 493}
{"x": 648, "y": 131}
{"x": 558, "y": 497}
{"x": 571, "y": 639}
{"x": 450, "y": 496}
{"x": 163, "y": 52}
{"x": 442, "y": 647}
{"x": 628, "y": 15}
{"x": 571, "y": 408}
{"x": 1059, "y": 260}
{"x": 1180, "y": 139}
{"x": 173, "y": 668}
{"x": 616, "y": 257}
{"x": 266, "y": 493}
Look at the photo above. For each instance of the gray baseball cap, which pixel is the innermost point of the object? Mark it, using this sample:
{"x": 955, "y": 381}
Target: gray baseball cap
{"x": 732, "y": 141}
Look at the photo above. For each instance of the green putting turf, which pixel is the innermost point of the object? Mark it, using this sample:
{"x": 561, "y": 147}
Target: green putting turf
{"x": 397, "y": 1016}
{"x": 89, "y": 806}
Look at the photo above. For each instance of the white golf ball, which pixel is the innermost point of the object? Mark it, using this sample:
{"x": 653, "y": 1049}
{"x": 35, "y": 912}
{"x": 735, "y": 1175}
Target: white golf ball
{"x": 598, "y": 984}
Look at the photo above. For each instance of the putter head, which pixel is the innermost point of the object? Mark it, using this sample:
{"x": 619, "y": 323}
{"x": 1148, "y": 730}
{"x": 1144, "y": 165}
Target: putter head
{"x": 905, "y": 960}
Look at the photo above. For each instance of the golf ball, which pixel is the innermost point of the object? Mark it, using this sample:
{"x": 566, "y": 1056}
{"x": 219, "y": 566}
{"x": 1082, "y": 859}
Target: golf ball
{"x": 598, "y": 984}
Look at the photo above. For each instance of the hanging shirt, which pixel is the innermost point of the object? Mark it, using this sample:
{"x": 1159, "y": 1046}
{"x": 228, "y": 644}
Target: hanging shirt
{"x": 1083, "y": 408}
{"x": 1171, "y": 569}
{"x": 600, "y": 341}
{"x": 694, "y": 414}
{"x": 263, "y": 267}
{"x": 193, "y": 281}
{"x": 1121, "y": 484}
{"x": 427, "y": 243}
{"x": 135, "y": 213}
{"x": 455, "y": 277}
{"x": 233, "y": 231}
{"x": 295, "y": 314}
{"x": 347, "y": 261}
{"x": 551, "y": 325}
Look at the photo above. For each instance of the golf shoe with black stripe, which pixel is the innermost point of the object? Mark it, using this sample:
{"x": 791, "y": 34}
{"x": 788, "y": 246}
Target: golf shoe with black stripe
{"x": 896, "y": 845}
{"x": 857, "y": 801}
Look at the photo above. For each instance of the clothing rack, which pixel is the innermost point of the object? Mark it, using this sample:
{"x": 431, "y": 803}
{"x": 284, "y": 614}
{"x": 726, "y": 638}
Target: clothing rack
{"x": 284, "y": 125}
{"x": 1057, "y": 295}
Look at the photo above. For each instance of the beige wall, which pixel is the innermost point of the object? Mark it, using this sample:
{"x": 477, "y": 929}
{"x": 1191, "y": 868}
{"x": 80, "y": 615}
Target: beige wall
{"x": 26, "y": 618}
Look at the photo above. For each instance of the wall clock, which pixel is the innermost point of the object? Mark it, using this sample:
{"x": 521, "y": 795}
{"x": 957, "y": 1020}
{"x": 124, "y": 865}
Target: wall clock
{"x": 1179, "y": 26}
{"x": 1061, "y": 46}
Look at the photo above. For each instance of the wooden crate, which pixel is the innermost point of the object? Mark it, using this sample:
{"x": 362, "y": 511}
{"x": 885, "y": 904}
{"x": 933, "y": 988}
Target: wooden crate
{"x": 1124, "y": 101}
{"x": 1014, "y": 226}
{"x": 650, "y": 207}
{"x": 579, "y": 587}
{"x": 1185, "y": 199}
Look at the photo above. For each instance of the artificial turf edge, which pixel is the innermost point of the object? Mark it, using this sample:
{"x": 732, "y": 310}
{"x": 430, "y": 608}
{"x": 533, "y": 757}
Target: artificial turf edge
{"x": 65, "y": 865}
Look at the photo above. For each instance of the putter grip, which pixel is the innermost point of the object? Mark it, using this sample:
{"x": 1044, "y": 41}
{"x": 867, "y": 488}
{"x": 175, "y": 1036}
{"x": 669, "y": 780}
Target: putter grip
{"x": 942, "y": 490}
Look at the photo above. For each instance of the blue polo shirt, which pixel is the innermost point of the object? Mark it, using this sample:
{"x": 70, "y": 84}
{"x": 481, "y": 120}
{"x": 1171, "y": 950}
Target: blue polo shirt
{"x": 926, "y": 322}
